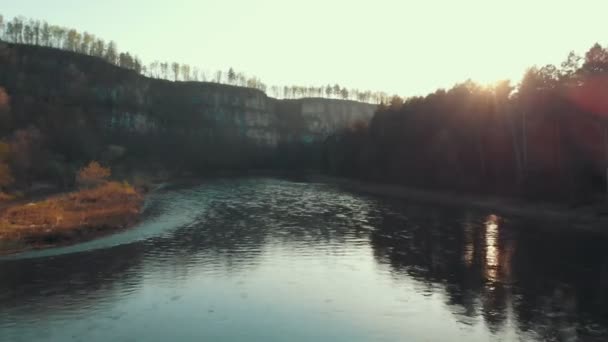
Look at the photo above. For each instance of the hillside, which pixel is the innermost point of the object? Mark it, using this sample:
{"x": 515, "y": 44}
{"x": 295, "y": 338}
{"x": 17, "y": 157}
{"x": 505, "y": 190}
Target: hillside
{"x": 87, "y": 109}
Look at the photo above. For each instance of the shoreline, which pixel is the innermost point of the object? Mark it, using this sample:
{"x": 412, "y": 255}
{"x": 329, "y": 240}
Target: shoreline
{"x": 127, "y": 214}
{"x": 582, "y": 219}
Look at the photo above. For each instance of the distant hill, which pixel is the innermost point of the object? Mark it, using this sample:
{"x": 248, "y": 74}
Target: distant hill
{"x": 82, "y": 107}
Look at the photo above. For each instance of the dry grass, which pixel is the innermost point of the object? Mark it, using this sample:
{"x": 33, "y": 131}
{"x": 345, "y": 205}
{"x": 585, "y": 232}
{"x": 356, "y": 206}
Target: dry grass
{"x": 109, "y": 206}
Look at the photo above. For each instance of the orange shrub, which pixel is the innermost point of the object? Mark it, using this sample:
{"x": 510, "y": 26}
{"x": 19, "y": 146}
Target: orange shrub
{"x": 110, "y": 206}
{"x": 93, "y": 174}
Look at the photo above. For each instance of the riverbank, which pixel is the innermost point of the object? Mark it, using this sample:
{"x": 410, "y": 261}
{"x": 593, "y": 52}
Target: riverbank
{"x": 68, "y": 218}
{"x": 589, "y": 218}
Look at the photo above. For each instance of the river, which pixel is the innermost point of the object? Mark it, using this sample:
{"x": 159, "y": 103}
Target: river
{"x": 263, "y": 259}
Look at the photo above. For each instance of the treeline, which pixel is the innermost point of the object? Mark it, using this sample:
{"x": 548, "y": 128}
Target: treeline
{"x": 545, "y": 138}
{"x": 35, "y": 32}
{"x": 329, "y": 91}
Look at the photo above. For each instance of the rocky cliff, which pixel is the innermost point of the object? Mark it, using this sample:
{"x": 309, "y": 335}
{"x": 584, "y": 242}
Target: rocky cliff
{"x": 86, "y": 104}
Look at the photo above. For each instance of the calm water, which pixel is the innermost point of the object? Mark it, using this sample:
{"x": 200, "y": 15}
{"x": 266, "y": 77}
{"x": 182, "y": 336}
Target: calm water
{"x": 273, "y": 260}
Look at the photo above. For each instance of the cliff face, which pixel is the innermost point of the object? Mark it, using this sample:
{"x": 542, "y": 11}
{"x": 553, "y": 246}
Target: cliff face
{"x": 83, "y": 101}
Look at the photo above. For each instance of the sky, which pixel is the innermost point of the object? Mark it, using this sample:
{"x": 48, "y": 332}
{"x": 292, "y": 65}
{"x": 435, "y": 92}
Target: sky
{"x": 404, "y": 47}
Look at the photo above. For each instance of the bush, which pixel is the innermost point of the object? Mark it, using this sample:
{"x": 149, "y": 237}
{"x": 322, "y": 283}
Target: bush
{"x": 109, "y": 206}
{"x": 93, "y": 175}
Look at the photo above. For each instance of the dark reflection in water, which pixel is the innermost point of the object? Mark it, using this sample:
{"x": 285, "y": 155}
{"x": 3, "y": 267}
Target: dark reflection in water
{"x": 272, "y": 260}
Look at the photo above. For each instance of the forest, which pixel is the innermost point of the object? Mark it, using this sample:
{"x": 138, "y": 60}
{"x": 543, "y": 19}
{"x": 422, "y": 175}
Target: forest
{"x": 20, "y": 30}
{"x": 544, "y": 138}
{"x": 60, "y": 109}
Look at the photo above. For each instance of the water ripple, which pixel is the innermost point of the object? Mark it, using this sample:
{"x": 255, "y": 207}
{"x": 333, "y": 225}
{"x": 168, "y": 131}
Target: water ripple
{"x": 267, "y": 259}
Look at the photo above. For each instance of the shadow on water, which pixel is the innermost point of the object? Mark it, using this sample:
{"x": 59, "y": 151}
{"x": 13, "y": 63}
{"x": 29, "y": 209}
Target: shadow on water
{"x": 504, "y": 273}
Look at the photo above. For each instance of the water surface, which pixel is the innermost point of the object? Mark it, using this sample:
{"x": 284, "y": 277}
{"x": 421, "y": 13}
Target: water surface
{"x": 273, "y": 260}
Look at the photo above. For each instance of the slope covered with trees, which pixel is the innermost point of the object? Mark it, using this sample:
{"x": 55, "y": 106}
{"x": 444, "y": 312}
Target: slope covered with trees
{"x": 20, "y": 30}
{"x": 61, "y": 109}
{"x": 545, "y": 138}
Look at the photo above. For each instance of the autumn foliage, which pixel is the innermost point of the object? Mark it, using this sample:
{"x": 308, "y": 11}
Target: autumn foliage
{"x": 109, "y": 206}
{"x": 93, "y": 174}
{"x": 100, "y": 206}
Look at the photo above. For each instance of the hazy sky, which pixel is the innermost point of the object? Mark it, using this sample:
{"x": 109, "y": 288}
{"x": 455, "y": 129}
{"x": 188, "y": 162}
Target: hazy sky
{"x": 399, "y": 46}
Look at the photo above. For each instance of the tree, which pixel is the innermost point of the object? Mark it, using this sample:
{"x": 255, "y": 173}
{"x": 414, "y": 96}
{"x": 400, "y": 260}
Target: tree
{"x": 241, "y": 79}
{"x": 344, "y": 93}
{"x": 396, "y": 103}
{"x": 57, "y": 35}
{"x": 175, "y": 69}
{"x": 111, "y": 54}
{"x": 185, "y": 69}
{"x": 86, "y": 43}
{"x": 328, "y": 91}
{"x": 19, "y": 28}
{"x": 596, "y": 60}
{"x": 72, "y": 40}
{"x": 231, "y": 76}
{"x": 275, "y": 91}
{"x": 570, "y": 66}
{"x": 92, "y": 175}
{"x": 36, "y": 29}
{"x": 98, "y": 48}
{"x": 15, "y": 30}
{"x": 164, "y": 70}
{"x": 28, "y": 34}
{"x": 153, "y": 69}
{"x": 137, "y": 66}
{"x": 45, "y": 34}
{"x": 125, "y": 60}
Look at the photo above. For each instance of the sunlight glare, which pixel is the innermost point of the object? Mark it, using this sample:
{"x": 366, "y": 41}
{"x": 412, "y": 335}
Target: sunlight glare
{"x": 492, "y": 253}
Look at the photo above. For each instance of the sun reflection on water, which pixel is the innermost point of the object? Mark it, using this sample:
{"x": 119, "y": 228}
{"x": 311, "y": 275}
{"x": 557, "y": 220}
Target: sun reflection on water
{"x": 492, "y": 257}
{"x": 469, "y": 242}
